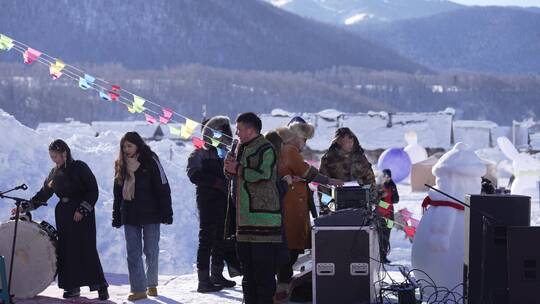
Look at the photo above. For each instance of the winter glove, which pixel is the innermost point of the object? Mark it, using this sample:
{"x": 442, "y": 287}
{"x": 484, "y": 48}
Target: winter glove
{"x": 117, "y": 220}
{"x": 85, "y": 209}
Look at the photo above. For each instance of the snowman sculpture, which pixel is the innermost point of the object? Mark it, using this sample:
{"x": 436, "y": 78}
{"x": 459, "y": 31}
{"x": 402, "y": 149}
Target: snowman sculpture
{"x": 438, "y": 244}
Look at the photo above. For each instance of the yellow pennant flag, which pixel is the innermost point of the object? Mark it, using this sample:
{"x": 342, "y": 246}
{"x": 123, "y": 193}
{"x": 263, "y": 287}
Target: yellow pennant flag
{"x": 215, "y": 142}
{"x": 56, "y": 69}
{"x": 6, "y": 43}
{"x": 188, "y": 128}
{"x": 138, "y": 104}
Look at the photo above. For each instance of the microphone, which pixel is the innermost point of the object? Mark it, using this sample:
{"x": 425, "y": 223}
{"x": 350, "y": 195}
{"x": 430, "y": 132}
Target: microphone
{"x": 234, "y": 145}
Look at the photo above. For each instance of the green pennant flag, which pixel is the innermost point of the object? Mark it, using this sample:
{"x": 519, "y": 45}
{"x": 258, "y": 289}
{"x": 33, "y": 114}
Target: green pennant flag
{"x": 6, "y": 43}
{"x": 384, "y": 205}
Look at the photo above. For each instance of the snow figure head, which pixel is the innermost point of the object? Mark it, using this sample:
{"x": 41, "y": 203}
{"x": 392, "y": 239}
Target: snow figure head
{"x": 459, "y": 172}
{"x": 416, "y": 152}
{"x": 438, "y": 243}
{"x": 526, "y": 170}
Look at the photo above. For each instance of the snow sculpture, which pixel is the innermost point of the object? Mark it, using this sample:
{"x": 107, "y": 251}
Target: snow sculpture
{"x": 416, "y": 152}
{"x": 526, "y": 170}
{"x": 398, "y": 161}
{"x": 438, "y": 244}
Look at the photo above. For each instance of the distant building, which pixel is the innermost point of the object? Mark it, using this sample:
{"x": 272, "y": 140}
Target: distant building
{"x": 375, "y": 130}
{"x": 477, "y": 134}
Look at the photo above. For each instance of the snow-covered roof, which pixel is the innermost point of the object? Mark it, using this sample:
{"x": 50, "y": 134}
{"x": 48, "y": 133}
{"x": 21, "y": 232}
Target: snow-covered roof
{"x": 271, "y": 122}
{"x": 375, "y": 130}
{"x": 475, "y": 124}
{"x": 65, "y": 128}
{"x": 330, "y": 114}
{"x": 281, "y": 113}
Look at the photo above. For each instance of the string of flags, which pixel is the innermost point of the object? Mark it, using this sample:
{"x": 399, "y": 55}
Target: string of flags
{"x": 114, "y": 93}
{"x": 139, "y": 105}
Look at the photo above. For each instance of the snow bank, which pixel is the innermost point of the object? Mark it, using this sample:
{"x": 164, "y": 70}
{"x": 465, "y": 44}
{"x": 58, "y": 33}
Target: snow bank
{"x": 24, "y": 159}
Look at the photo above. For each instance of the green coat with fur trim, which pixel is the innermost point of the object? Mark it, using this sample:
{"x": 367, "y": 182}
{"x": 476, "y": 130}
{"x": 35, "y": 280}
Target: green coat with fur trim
{"x": 258, "y": 211}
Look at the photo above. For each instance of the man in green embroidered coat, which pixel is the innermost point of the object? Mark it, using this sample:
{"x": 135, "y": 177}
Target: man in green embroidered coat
{"x": 252, "y": 169}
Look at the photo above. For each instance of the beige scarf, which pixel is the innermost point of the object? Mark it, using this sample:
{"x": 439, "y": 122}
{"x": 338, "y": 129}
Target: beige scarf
{"x": 128, "y": 190}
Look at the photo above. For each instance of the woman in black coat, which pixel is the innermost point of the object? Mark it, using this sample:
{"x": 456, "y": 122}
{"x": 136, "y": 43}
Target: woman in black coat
{"x": 142, "y": 201}
{"x": 75, "y": 185}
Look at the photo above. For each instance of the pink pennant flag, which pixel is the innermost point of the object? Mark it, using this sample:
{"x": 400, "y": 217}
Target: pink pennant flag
{"x": 414, "y": 222}
{"x": 31, "y": 55}
{"x": 409, "y": 231}
{"x": 167, "y": 114}
{"x": 406, "y": 214}
{"x": 150, "y": 119}
{"x": 197, "y": 142}
{"x": 114, "y": 93}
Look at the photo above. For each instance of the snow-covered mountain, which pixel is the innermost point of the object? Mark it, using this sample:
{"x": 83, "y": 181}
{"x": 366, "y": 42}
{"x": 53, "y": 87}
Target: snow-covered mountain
{"x": 348, "y": 12}
{"x": 239, "y": 34}
{"x": 486, "y": 39}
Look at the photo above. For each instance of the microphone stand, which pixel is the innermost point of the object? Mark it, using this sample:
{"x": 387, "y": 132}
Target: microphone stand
{"x": 486, "y": 221}
{"x": 18, "y": 202}
{"x": 462, "y": 203}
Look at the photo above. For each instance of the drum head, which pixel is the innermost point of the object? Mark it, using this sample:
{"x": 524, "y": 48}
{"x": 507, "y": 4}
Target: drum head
{"x": 34, "y": 266}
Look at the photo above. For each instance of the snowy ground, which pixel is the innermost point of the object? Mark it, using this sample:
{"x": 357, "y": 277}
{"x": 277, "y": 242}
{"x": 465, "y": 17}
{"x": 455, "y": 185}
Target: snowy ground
{"x": 24, "y": 159}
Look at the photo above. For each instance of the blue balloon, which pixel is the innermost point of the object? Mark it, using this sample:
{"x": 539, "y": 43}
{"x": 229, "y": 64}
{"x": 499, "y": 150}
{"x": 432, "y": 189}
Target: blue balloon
{"x": 398, "y": 161}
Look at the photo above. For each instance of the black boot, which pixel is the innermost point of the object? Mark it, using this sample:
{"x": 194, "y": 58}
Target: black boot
{"x": 103, "y": 293}
{"x": 217, "y": 277}
{"x": 72, "y": 293}
{"x": 205, "y": 285}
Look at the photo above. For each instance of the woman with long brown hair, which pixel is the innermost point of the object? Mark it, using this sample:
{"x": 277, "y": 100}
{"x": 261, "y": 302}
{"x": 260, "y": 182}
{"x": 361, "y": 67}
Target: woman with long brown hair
{"x": 142, "y": 201}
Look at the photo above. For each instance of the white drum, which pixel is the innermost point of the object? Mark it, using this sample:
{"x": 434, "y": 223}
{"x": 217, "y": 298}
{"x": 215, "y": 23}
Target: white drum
{"x": 34, "y": 267}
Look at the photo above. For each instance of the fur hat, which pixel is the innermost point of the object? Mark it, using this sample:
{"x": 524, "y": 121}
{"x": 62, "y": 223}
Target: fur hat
{"x": 302, "y": 130}
{"x": 221, "y": 124}
{"x": 286, "y": 134}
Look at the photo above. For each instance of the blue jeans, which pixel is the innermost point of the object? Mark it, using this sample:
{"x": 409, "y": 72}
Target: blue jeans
{"x": 148, "y": 234}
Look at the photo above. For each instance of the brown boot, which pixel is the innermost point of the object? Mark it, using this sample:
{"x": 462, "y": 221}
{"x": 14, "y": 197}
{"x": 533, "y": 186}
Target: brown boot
{"x": 152, "y": 291}
{"x": 135, "y": 296}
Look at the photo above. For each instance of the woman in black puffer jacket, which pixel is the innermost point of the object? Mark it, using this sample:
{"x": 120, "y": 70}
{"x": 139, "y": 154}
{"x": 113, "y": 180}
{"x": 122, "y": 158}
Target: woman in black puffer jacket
{"x": 142, "y": 201}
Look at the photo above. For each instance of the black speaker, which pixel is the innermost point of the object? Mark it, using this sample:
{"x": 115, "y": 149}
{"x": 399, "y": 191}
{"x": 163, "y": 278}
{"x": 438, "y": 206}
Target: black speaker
{"x": 344, "y": 264}
{"x": 523, "y": 264}
{"x": 485, "y": 275}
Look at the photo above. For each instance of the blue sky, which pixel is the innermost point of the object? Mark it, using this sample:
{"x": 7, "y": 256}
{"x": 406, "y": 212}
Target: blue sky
{"x": 500, "y": 2}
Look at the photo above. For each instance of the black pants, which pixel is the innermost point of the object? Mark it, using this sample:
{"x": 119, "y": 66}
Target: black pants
{"x": 211, "y": 240}
{"x": 285, "y": 272}
{"x": 385, "y": 242}
{"x": 259, "y": 265}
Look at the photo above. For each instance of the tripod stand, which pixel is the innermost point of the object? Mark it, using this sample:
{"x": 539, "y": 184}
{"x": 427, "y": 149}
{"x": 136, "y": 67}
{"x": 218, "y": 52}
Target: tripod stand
{"x": 18, "y": 202}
